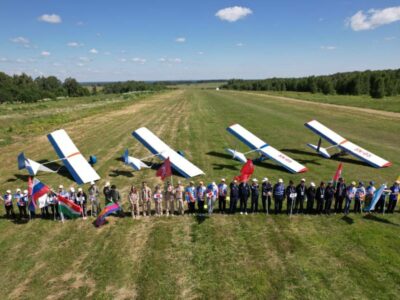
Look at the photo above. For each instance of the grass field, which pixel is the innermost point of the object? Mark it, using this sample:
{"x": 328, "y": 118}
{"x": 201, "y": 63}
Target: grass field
{"x": 364, "y": 101}
{"x": 228, "y": 257}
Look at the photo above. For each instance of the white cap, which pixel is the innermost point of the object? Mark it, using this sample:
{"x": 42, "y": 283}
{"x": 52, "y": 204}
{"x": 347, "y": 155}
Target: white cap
{"x": 280, "y": 180}
{"x": 223, "y": 179}
{"x": 398, "y": 181}
{"x": 60, "y": 186}
{"x": 18, "y": 190}
{"x": 72, "y": 189}
{"x": 265, "y": 179}
{"x": 303, "y": 179}
{"x": 255, "y": 180}
{"x": 107, "y": 184}
{"x": 92, "y": 183}
{"x": 25, "y": 191}
{"x": 179, "y": 182}
{"x": 80, "y": 190}
{"x": 312, "y": 184}
{"x": 8, "y": 191}
{"x": 213, "y": 183}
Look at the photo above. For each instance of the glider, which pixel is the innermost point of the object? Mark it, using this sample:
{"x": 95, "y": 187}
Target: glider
{"x": 73, "y": 160}
{"x": 158, "y": 148}
{"x": 265, "y": 150}
{"x": 343, "y": 145}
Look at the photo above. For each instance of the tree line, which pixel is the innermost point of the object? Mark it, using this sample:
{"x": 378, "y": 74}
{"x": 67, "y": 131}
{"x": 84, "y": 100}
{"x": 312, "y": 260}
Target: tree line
{"x": 23, "y": 88}
{"x": 131, "y": 86}
{"x": 377, "y": 84}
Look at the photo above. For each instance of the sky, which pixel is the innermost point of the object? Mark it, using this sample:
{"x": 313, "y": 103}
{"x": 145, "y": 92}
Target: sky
{"x": 106, "y": 40}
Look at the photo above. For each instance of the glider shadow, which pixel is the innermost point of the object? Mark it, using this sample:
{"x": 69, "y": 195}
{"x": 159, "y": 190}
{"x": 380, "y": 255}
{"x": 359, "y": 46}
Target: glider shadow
{"x": 348, "y": 220}
{"x": 374, "y": 218}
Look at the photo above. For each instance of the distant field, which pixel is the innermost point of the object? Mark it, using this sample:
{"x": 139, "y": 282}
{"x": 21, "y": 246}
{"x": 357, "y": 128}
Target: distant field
{"x": 387, "y": 103}
{"x": 224, "y": 257}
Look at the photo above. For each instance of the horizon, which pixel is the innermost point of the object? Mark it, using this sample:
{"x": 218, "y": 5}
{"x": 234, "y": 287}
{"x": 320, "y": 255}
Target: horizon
{"x": 180, "y": 41}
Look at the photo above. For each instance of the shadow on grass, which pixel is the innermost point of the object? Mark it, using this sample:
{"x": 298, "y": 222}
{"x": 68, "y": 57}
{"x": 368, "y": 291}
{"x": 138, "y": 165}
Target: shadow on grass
{"x": 302, "y": 152}
{"x": 375, "y": 218}
{"x": 348, "y": 220}
{"x": 153, "y": 166}
{"x": 117, "y": 173}
{"x": 200, "y": 219}
{"x": 224, "y": 166}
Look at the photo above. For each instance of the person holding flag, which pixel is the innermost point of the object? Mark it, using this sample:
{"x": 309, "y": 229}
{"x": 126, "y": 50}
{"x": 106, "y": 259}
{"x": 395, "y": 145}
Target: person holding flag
{"x": 370, "y": 191}
{"x": 340, "y": 195}
{"x": 200, "y": 197}
{"x": 190, "y": 195}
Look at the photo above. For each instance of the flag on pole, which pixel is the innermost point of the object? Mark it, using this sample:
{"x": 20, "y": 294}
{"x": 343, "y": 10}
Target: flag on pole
{"x": 246, "y": 171}
{"x": 165, "y": 169}
{"x": 108, "y": 210}
{"x": 337, "y": 175}
{"x": 39, "y": 189}
{"x": 377, "y": 195}
{"x": 31, "y": 203}
{"x": 68, "y": 208}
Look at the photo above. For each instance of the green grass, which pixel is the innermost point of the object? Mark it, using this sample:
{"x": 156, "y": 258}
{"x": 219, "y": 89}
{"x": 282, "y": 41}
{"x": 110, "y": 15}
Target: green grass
{"x": 228, "y": 257}
{"x": 387, "y": 104}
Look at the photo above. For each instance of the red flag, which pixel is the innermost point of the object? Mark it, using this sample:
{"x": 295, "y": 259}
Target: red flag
{"x": 165, "y": 169}
{"x": 337, "y": 175}
{"x": 246, "y": 171}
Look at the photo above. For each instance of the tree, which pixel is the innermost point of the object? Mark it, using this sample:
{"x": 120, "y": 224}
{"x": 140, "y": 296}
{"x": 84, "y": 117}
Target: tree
{"x": 377, "y": 86}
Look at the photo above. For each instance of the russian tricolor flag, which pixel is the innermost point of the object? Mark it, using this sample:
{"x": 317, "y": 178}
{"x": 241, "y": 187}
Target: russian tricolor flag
{"x": 38, "y": 190}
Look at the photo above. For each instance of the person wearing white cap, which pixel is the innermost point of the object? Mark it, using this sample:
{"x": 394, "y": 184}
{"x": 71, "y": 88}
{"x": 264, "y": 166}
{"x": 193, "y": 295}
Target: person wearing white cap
{"x": 211, "y": 195}
{"x": 81, "y": 199}
{"x": 107, "y": 193}
{"x": 359, "y": 198}
{"x": 266, "y": 192}
{"x": 233, "y": 196}
{"x": 254, "y": 195}
{"x": 20, "y": 199}
{"x": 8, "y": 204}
{"x": 311, "y": 193}
{"x": 279, "y": 195}
{"x": 290, "y": 197}
{"x": 393, "y": 197}
{"x": 222, "y": 193}
{"x": 200, "y": 197}
{"x": 94, "y": 194}
{"x": 350, "y": 194}
{"x": 320, "y": 197}
{"x": 301, "y": 196}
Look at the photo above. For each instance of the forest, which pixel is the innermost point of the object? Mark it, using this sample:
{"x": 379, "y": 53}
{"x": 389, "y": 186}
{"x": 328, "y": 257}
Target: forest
{"x": 377, "y": 84}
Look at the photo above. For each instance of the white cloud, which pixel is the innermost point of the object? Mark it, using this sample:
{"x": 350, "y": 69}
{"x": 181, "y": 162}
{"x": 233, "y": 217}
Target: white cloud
{"x": 74, "y": 44}
{"x": 373, "y": 18}
{"x": 139, "y": 60}
{"x": 200, "y": 53}
{"x": 107, "y": 53}
{"x": 84, "y": 58}
{"x": 80, "y": 64}
{"x": 93, "y": 51}
{"x": 175, "y": 60}
{"x": 239, "y": 44}
{"x": 390, "y": 38}
{"x": 20, "y": 61}
{"x": 232, "y": 14}
{"x": 122, "y": 59}
{"x": 162, "y": 59}
{"x": 53, "y": 18}
{"x": 45, "y": 53}
{"x": 20, "y": 40}
{"x": 180, "y": 40}
{"x": 56, "y": 64}
{"x": 3, "y": 59}
{"x": 328, "y": 47}
{"x": 80, "y": 23}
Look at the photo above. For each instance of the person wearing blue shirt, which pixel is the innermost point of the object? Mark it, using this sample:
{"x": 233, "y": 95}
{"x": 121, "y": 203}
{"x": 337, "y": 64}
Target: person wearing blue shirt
{"x": 244, "y": 193}
{"x": 190, "y": 196}
{"x": 254, "y": 196}
{"x": 393, "y": 197}
{"x": 359, "y": 197}
{"x": 8, "y": 204}
{"x": 279, "y": 195}
{"x": 200, "y": 196}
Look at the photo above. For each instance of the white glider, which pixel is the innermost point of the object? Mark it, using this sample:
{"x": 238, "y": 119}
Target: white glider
{"x": 265, "y": 150}
{"x": 158, "y": 148}
{"x": 344, "y": 145}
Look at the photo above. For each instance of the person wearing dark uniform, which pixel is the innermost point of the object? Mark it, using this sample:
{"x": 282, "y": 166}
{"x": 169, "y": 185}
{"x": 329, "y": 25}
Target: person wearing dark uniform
{"x": 320, "y": 197}
{"x": 244, "y": 193}
{"x": 279, "y": 195}
{"x": 393, "y": 197}
{"x": 329, "y": 193}
{"x": 234, "y": 196}
{"x": 266, "y": 192}
{"x": 200, "y": 197}
{"x": 340, "y": 195}
{"x": 300, "y": 197}
{"x": 311, "y": 193}
{"x": 116, "y": 198}
{"x": 254, "y": 196}
{"x": 222, "y": 193}
{"x": 8, "y": 204}
{"x": 290, "y": 197}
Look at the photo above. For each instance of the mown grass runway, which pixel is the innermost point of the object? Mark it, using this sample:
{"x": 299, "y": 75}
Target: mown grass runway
{"x": 225, "y": 257}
